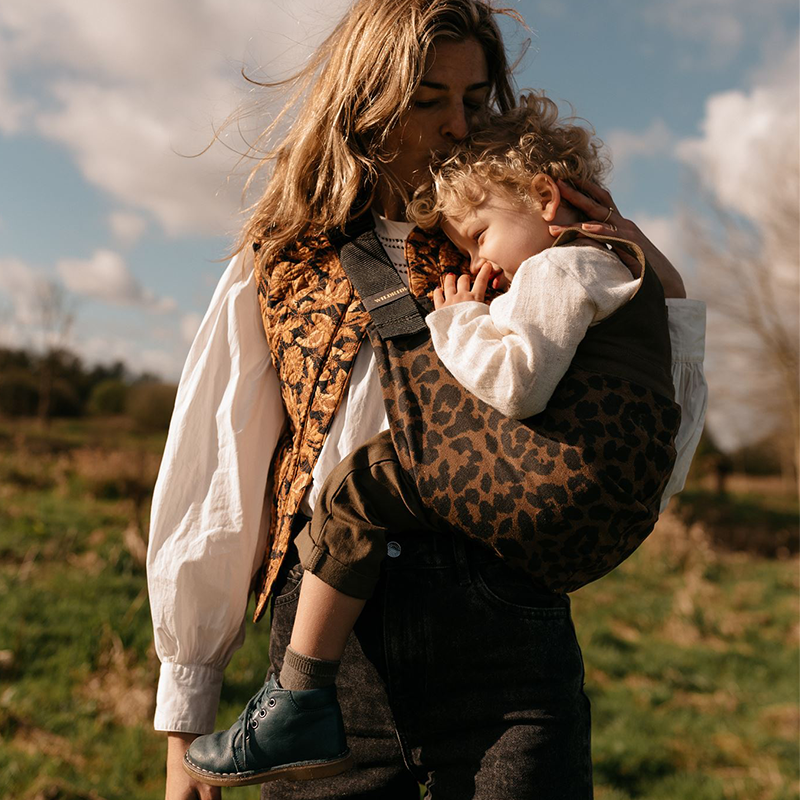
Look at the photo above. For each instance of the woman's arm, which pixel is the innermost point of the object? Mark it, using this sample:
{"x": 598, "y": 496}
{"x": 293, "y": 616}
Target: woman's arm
{"x": 209, "y": 513}
{"x": 208, "y": 516}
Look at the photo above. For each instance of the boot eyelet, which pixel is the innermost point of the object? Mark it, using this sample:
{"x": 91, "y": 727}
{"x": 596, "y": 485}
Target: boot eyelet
{"x": 271, "y": 702}
{"x": 255, "y": 723}
{"x": 262, "y": 712}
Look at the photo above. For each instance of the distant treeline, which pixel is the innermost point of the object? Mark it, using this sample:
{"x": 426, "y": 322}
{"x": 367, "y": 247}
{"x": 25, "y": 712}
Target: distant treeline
{"x": 59, "y": 384}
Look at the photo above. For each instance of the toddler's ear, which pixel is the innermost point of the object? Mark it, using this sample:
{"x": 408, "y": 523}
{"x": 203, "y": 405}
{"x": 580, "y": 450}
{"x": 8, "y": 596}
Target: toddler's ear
{"x": 549, "y": 195}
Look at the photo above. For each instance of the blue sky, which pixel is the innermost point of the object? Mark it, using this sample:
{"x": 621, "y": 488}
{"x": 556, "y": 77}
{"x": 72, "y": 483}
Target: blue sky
{"x": 96, "y": 95}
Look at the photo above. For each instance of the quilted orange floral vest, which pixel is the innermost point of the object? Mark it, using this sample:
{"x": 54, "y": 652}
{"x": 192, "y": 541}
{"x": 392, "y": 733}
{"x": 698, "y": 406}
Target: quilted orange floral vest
{"x": 315, "y": 325}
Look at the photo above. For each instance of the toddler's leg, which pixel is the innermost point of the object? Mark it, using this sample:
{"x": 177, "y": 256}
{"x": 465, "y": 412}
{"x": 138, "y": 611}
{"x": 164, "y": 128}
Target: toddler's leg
{"x": 294, "y": 730}
{"x": 325, "y": 617}
{"x": 341, "y": 550}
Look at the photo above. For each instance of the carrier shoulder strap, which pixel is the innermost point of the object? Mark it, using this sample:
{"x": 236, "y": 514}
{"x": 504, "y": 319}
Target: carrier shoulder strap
{"x": 392, "y": 307}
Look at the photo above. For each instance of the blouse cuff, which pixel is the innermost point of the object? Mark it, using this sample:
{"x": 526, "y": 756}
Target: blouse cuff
{"x": 687, "y": 329}
{"x": 187, "y": 698}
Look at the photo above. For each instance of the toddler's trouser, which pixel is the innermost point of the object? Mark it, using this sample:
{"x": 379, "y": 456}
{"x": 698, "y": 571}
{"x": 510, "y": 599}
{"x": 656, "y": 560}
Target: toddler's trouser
{"x": 367, "y": 495}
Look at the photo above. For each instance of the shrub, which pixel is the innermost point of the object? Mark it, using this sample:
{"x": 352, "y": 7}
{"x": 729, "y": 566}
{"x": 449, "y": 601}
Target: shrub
{"x": 150, "y": 405}
{"x": 19, "y": 393}
{"x": 64, "y": 400}
{"x": 108, "y": 397}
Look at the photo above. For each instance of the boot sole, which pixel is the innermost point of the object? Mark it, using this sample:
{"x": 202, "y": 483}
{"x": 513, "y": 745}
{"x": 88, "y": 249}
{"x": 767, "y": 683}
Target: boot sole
{"x": 292, "y": 772}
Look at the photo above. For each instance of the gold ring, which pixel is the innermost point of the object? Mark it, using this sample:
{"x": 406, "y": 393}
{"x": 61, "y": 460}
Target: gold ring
{"x": 608, "y": 216}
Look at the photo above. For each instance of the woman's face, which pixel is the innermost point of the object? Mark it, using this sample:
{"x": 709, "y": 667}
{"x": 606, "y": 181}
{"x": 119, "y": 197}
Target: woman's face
{"x": 455, "y": 86}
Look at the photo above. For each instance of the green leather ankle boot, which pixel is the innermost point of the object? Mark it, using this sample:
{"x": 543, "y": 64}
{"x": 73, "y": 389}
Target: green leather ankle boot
{"x": 281, "y": 734}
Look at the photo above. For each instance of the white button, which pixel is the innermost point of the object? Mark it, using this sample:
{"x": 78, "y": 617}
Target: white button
{"x": 393, "y": 549}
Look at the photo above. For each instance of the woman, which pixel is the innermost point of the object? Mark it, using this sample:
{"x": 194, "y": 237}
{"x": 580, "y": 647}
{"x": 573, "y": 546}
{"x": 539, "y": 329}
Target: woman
{"x": 459, "y": 675}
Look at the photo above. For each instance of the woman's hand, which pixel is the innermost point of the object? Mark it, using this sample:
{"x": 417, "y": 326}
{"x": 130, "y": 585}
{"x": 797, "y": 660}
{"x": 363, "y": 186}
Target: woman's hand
{"x": 179, "y": 785}
{"x": 458, "y": 291}
{"x": 596, "y": 203}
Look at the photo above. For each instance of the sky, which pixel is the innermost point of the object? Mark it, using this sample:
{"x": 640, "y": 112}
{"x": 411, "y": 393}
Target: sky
{"x": 101, "y": 102}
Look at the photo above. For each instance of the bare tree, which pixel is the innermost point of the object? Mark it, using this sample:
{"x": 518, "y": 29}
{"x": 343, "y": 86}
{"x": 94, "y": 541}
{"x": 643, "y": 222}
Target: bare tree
{"x": 55, "y": 315}
{"x": 750, "y": 277}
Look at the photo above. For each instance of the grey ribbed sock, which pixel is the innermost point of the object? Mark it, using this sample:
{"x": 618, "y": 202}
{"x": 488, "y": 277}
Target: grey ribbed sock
{"x": 303, "y": 672}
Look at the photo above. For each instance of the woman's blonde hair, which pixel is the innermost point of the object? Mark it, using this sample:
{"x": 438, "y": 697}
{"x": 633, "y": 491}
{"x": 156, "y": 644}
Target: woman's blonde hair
{"x": 507, "y": 152}
{"x": 350, "y": 95}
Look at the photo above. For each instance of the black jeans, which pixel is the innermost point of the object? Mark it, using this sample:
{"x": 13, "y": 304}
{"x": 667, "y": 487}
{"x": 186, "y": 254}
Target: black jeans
{"x": 459, "y": 675}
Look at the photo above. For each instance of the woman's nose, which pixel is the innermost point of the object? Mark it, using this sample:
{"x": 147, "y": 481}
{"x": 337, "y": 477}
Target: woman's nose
{"x": 456, "y": 126}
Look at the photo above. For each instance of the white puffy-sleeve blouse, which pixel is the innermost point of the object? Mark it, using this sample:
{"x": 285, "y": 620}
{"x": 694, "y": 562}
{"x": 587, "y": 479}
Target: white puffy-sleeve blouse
{"x": 209, "y": 516}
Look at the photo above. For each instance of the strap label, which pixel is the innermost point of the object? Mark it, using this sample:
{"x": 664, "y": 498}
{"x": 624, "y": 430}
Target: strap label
{"x": 383, "y": 298}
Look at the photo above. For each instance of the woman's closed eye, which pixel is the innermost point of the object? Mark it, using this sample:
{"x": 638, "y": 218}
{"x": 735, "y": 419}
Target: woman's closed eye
{"x": 471, "y": 105}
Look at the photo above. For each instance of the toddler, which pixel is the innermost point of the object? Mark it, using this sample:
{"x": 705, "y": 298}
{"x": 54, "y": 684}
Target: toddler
{"x": 495, "y": 196}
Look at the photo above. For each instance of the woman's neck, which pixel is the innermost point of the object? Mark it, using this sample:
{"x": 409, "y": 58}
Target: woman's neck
{"x": 387, "y": 204}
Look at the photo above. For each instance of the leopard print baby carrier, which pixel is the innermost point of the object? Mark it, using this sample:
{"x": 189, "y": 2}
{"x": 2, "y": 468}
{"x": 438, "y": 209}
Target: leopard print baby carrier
{"x": 567, "y": 494}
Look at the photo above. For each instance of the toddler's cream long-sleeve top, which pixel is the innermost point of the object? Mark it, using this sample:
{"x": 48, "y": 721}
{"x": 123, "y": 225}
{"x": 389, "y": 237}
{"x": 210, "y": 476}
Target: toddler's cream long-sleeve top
{"x": 210, "y": 509}
{"x": 513, "y": 353}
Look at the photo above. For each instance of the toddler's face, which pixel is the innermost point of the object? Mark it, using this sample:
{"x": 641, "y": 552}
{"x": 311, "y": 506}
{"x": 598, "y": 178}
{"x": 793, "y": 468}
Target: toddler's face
{"x": 500, "y": 230}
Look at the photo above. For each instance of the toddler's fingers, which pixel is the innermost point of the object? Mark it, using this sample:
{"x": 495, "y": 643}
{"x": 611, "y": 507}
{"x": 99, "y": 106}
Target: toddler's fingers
{"x": 464, "y": 283}
{"x": 449, "y": 284}
{"x": 482, "y": 281}
{"x": 438, "y": 298}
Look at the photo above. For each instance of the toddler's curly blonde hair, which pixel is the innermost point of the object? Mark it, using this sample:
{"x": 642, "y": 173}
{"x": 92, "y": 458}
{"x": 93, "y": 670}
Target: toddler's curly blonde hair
{"x": 508, "y": 150}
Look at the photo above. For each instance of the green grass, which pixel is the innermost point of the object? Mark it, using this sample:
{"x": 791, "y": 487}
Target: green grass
{"x": 690, "y": 650}
{"x": 692, "y": 671}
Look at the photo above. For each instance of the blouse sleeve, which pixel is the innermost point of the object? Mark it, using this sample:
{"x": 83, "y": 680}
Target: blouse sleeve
{"x": 209, "y": 515}
{"x": 687, "y": 331}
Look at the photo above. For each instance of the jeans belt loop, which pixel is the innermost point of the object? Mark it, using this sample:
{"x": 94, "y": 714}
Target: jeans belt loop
{"x": 462, "y": 562}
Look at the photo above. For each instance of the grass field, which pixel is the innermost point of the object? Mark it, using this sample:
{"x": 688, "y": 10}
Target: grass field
{"x": 690, "y": 648}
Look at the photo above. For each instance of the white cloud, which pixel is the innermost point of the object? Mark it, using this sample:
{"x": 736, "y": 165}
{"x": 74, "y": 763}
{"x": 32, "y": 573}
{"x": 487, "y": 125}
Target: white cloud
{"x": 190, "y": 324}
{"x": 106, "y": 277}
{"x": 126, "y": 227}
{"x": 125, "y": 149}
{"x": 124, "y": 85}
{"x": 747, "y": 155}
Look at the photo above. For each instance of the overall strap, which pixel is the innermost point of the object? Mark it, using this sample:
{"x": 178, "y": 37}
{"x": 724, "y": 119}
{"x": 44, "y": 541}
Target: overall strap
{"x": 571, "y": 234}
{"x": 393, "y": 309}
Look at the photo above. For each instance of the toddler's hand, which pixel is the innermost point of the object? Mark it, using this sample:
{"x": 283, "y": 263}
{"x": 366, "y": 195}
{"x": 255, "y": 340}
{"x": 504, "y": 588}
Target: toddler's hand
{"x": 459, "y": 291}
